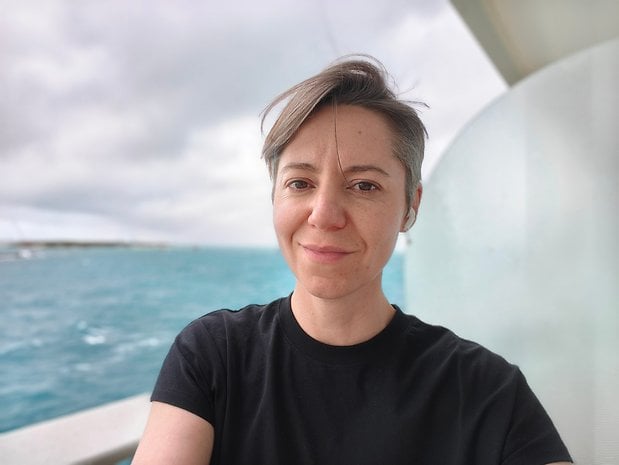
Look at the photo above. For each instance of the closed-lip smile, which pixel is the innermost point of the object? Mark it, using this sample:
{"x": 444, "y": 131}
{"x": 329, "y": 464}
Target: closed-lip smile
{"x": 324, "y": 254}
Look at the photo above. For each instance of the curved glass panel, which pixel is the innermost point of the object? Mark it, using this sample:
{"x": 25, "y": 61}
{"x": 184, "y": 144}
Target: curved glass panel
{"x": 516, "y": 243}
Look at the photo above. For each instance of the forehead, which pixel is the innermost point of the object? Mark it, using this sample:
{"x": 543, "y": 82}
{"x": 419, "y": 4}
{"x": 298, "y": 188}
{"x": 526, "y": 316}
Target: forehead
{"x": 354, "y": 133}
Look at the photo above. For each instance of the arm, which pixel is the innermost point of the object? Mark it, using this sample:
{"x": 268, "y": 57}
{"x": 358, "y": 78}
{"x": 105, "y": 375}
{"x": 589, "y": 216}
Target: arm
{"x": 174, "y": 436}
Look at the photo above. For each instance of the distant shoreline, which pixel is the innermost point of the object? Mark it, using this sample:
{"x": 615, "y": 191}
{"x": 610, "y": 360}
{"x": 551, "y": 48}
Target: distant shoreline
{"x": 81, "y": 244}
{"x": 13, "y": 246}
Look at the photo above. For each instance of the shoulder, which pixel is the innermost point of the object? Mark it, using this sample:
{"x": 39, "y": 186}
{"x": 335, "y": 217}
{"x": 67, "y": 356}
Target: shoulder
{"x": 224, "y": 325}
{"x": 440, "y": 349}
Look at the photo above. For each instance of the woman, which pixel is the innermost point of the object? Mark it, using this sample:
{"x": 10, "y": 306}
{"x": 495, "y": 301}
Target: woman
{"x": 334, "y": 373}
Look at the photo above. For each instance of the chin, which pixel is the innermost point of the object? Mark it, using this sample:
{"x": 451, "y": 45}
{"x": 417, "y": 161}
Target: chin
{"x": 323, "y": 288}
{"x": 331, "y": 288}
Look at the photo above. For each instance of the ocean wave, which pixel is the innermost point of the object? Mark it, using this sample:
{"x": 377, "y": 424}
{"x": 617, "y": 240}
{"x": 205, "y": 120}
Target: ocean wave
{"x": 23, "y": 344}
{"x": 92, "y": 335}
{"x": 94, "y": 339}
{"x": 137, "y": 345}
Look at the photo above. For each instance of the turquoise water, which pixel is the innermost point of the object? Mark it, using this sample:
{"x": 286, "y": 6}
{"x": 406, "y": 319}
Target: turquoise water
{"x": 82, "y": 327}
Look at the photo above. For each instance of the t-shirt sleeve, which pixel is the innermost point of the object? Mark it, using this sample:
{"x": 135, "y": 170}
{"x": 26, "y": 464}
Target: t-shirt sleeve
{"x": 532, "y": 438}
{"x": 189, "y": 375}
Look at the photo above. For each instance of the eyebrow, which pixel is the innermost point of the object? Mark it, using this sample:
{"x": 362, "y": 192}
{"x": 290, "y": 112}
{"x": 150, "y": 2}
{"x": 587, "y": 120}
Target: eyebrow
{"x": 349, "y": 169}
{"x": 299, "y": 166}
{"x": 365, "y": 168}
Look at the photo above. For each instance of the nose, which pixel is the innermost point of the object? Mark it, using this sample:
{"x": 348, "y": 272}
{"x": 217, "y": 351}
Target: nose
{"x": 327, "y": 210}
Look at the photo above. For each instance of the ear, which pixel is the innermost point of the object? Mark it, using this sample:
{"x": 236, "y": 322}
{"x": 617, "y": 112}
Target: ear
{"x": 411, "y": 216}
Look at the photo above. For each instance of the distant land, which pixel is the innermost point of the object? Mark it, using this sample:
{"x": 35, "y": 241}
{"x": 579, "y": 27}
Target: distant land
{"x": 56, "y": 244}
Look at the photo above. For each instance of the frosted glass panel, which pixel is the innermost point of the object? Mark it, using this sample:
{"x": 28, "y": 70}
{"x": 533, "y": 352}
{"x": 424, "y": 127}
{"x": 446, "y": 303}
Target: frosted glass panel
{"x": 516, "y": 242}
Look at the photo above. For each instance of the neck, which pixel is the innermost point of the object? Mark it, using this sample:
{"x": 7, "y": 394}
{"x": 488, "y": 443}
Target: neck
{"x": 343, "y": 321}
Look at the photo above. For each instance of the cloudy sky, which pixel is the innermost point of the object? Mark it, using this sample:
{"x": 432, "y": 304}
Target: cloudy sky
{"x": 140, "y": 120}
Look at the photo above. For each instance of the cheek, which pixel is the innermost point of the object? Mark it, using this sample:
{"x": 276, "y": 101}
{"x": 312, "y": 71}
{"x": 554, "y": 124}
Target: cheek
{"x": 385, "y": 236}
{"x": 386, "y": 229}
{"x": 283, "y": 219}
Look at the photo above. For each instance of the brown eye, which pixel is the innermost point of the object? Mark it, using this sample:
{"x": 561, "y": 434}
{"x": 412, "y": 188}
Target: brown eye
{"x": 365, "y": 186}
{"x": 298, "y": 184}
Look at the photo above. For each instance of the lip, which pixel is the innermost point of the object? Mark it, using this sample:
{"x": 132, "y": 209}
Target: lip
{"x": 325, "y": 254}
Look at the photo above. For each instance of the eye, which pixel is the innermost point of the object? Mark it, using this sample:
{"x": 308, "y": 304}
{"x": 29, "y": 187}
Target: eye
{"x": 298, "y": 184}
{"x": 364, "y": 186}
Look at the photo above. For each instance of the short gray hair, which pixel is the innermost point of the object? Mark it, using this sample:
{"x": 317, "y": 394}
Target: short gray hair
{"x": 360, "y": 81}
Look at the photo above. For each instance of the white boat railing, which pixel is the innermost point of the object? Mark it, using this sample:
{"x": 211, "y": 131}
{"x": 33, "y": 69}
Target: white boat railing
{"x": 102, "y": 435}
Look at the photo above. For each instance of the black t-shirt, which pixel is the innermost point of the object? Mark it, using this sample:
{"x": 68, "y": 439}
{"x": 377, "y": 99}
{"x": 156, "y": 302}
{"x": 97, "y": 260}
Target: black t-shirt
{"x": 413, "y": 394}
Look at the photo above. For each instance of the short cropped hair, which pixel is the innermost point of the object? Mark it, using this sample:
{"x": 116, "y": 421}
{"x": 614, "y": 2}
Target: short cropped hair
{"x": 361, "y": 81}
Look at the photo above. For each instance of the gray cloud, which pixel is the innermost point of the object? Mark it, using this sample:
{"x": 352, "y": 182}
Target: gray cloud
{"x": 143, "y": 116}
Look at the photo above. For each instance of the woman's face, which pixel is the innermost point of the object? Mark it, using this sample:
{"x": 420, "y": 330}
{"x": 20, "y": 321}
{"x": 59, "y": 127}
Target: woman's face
{"x": 339, "y": 201}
